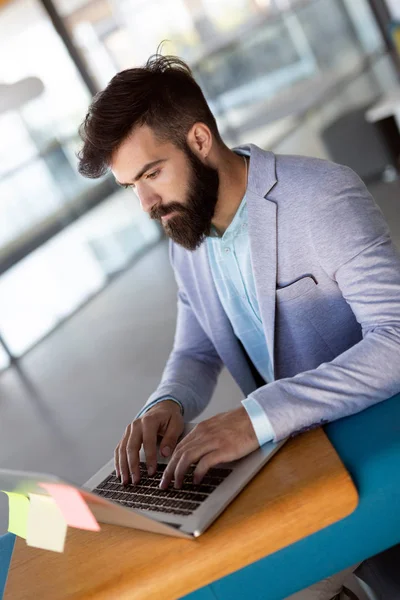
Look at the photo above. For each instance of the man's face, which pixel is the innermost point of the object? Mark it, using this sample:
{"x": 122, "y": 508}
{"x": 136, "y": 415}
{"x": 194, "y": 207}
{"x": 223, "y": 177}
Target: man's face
{"x": 174, "y": 186}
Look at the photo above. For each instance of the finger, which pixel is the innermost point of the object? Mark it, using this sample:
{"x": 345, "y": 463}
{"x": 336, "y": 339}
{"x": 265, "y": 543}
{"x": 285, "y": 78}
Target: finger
{"x": 183, "y": 457}
{"x": 116, "y": 462}
{"x": 122, "y": 459}
{"x": 205, "y": 464}
{"x": 150, "y": 426}
{"x": 171, "y": 436}
{"x": 185, "y": 445}
{"x": 132, "y": 451}
{"x": 169, "y": 471}
{"x": 188, "y": 457}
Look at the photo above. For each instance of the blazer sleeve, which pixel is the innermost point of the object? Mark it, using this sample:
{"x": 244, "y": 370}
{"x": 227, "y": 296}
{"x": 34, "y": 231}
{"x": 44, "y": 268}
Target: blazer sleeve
{"x": 353, "y": 245}
{"x": 193, "y": 367}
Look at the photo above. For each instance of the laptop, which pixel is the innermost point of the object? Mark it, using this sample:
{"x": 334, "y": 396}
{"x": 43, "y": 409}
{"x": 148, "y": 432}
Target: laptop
{"x": 184, "y": 513}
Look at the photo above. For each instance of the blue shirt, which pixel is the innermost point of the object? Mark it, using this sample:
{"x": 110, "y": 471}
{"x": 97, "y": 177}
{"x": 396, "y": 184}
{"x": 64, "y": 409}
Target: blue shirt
{"x": 230, "y": 262}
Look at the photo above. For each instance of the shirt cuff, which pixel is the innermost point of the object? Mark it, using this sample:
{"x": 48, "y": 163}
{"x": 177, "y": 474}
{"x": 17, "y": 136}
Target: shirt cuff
{"x": 259, "y": 420}
{"x": 154, "y": 402}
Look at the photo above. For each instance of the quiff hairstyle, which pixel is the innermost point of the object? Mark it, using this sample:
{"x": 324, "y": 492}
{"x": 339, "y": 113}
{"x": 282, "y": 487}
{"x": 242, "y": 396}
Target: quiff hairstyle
{"x": 162, "y": 95}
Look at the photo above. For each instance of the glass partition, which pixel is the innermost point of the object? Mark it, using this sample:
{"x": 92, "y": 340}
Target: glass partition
{"x": 42, "y": 102}
{"x": 58, "y": 244}
{"x": 250, "y": 56}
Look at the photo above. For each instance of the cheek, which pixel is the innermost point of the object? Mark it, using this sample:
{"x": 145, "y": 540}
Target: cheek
{"x": 172, "y": 189}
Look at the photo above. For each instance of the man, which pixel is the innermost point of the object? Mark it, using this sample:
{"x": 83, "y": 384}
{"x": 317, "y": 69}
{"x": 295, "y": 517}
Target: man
{"x": 286, "y": 273}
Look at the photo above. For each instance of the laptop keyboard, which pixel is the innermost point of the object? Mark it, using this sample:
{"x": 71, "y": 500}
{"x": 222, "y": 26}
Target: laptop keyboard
{"x": 146, "y": 495}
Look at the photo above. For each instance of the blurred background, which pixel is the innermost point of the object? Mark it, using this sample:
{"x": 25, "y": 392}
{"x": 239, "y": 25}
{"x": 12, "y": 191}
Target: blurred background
{"x": 87, "y": 297}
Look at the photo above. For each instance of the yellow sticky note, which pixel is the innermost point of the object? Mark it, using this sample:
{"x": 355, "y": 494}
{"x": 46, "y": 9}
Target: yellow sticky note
{"x": 46, "y": 526}
{"x": 18, "y": 509}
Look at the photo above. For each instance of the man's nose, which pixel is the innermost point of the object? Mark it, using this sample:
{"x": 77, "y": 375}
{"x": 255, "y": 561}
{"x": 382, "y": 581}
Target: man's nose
{"x": 147, "y": 198}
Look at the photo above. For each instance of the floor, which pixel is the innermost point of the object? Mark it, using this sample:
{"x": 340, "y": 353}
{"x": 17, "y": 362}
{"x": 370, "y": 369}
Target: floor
{"x": 64, "y": 409}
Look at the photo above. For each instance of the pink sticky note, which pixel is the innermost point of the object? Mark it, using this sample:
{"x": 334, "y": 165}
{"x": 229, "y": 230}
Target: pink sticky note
{"x": 75, "y": 510}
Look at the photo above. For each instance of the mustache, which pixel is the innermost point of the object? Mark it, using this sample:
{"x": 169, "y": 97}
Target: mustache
{"x": 162, "y": 211}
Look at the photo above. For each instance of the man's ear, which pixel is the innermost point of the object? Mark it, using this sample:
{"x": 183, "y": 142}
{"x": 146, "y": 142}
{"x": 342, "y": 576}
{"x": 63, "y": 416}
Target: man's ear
{"x": 200, "y": 140}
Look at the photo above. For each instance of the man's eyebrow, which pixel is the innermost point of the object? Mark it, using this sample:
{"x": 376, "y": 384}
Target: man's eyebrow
{"x": 143, "y": 170}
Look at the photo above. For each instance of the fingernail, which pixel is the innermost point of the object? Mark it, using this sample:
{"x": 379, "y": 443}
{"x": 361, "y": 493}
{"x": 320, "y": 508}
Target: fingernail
{"x": 166, "y": 451}
{"x": 162, "y": 482}
{"x": 151, "y": 470}
{"x": 133, "y": 480}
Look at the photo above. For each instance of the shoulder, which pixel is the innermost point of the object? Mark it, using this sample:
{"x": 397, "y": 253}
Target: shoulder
{"x": 310, "y": 172}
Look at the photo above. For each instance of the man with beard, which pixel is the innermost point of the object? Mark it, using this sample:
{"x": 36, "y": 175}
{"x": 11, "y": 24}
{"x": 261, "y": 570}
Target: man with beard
{"x": 286, "y": 273}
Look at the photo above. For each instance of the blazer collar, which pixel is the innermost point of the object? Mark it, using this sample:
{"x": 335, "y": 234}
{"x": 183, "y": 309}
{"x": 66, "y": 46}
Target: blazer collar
{"x": 262, "y": 171}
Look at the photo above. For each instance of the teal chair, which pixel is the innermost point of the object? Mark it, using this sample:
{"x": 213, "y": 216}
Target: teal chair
{"x": 6, "y": 549}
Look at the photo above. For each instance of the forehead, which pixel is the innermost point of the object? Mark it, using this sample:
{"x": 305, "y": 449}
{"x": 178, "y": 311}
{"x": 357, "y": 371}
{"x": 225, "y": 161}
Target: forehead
{"x": 140, "y": 148}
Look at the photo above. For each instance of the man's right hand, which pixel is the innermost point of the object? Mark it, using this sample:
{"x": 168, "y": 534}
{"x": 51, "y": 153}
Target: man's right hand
{"x": 163, "y": 419}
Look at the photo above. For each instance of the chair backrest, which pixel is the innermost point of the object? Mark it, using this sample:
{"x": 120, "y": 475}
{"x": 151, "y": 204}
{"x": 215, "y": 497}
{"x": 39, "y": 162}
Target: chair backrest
{"x": 6, "y": 549}
{"x": 352, "y": 141}
{"x": 381, "y": 574}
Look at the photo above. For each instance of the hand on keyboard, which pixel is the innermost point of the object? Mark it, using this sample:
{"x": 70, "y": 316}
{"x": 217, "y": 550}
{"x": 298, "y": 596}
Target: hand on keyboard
{"x": 223, "y": 438}
{"x": 163, "y": 419}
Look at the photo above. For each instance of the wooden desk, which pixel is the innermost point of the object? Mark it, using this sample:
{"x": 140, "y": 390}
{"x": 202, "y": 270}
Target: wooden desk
{"x": 302, "y": 490}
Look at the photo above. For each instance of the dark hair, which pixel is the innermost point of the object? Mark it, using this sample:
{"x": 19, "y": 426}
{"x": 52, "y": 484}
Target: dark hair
{"x": 163, "y": 95}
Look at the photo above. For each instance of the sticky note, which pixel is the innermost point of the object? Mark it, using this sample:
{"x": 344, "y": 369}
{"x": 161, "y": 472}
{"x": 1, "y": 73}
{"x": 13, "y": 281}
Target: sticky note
{"x": 46, "y": 526}
{"x": 74, "y": 508}
{"x": 18, "y": 508}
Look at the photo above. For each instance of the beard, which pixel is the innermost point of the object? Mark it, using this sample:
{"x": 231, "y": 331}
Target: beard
{"x": 192, "y": 221}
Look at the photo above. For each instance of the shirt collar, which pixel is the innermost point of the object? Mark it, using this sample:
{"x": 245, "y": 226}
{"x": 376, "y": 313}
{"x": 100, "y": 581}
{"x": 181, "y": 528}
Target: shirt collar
{"x": 234, "y": 226}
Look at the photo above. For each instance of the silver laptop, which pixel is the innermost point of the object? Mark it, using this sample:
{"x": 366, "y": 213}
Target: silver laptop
{"x": 185, "y": 512}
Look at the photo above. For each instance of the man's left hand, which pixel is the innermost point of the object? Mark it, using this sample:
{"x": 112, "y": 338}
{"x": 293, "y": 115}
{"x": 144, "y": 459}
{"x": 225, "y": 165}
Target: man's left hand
{"x": 223, "y": 438}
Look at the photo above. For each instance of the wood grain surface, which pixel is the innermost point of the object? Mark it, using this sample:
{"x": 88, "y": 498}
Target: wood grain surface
{"x": 303, "y": 489}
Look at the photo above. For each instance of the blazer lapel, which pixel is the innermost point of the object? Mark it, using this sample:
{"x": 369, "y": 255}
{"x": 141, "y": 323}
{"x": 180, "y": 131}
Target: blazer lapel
{"x": 262, "y": 234}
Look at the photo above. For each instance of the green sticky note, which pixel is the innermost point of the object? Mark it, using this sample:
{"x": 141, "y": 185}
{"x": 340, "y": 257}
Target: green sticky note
{"x": 18, "y": 508}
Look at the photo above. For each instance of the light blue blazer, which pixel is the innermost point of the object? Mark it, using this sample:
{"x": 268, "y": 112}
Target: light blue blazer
{"x": 327, "y": 277}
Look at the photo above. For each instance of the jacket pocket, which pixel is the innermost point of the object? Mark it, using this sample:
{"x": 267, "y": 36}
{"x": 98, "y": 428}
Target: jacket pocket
{"x": 300, "y": 287}
{"x": 299, "y": 340}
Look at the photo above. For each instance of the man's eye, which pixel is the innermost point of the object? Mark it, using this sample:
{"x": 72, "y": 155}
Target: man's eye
{"x": 153, "y": 175}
